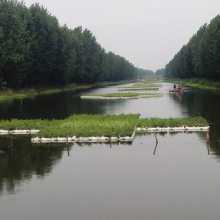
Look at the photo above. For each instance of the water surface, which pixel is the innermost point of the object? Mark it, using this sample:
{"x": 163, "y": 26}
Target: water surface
{"x": 177, "y": 179}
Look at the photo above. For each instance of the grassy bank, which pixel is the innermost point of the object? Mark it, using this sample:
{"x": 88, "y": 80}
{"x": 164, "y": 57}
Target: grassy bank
{"x": 9, "y": 95}
{"x": 97, "y": 125}
{"x": 75, "y": 87}
{"x": 198, "y": 83}
{"x": 68, "y": 88}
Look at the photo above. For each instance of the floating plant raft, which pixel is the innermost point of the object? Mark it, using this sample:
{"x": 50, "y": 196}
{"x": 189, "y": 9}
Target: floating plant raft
{"x": 98, "y": 128}
{"x": 146, "y": 85}
{"x": 17, "y": 132}
{"x": 138, "y": 89}
{"x": 173, "y": 129}
{"x": 75, "y": 139}
{"x": 122, "y": 95}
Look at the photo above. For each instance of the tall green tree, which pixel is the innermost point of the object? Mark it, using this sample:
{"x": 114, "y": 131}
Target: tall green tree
{"x": 45, "y": 29}
{"x": 35, "y": 51}
{"x": 201, "y": 56}
{"x": 14, "y": 43}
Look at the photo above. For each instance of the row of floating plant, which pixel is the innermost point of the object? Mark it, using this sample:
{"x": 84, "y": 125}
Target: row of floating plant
{"x": 147, "y": 84}
{"x": 135, "y": 91}
{"x": 122, "y": 95}
{"x": 98, "y": 128}
{"x": 147, "y": 88}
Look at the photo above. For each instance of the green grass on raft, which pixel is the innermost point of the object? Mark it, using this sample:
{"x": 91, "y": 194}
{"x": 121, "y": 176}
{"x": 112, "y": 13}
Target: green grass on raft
{"x": 138, "y": 89}
{"x": 172, "y": 122}
{"x": 122, "y": 94}
{"x": 97, "y": 125}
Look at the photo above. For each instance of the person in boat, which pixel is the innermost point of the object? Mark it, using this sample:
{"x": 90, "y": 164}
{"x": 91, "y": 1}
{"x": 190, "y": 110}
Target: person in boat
{"x": 173, "y": 89}
{"x": 177, "y": 88}
{"x": 180, "y": 86}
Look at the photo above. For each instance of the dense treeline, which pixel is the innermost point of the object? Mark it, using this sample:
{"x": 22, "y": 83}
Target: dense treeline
{"x": 36, "y": 51}
{"x": 200, "y": 58}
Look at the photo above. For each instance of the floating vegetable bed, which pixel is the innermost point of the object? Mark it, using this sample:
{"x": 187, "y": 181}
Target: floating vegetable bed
{"x": 98, "y": 128}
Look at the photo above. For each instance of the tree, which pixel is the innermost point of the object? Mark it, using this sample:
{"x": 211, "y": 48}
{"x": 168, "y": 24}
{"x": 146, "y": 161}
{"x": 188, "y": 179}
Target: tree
{"x": 35, "y": 51}
{"x": 45, "y": 30}
{"x": 14, "y": 43}
{"x": 201, "y": 56}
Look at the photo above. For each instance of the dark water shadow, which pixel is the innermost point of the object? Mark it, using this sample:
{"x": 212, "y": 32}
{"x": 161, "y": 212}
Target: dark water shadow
{"x": 206, "y": 104}
{"x": 20, "y": 161}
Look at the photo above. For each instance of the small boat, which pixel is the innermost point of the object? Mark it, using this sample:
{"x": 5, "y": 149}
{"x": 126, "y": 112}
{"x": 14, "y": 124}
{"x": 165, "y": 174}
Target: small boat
{"x": 178, "y": 89}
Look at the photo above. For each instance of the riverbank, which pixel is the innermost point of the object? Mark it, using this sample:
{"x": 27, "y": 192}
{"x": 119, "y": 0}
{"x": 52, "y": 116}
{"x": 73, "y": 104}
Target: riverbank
{"x": 198, "y": 83}
{"x": 9, "y": 95}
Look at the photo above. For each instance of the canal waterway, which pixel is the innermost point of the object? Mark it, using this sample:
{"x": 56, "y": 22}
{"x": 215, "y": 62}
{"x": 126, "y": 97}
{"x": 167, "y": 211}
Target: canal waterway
{"x": 177, "y": 179}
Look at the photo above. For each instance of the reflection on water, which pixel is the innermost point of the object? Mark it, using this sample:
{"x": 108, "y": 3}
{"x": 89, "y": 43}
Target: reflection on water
{"x": 161, "y": 177}
{"x": 65, "y": 104}
{"x": 205, "y": 104}
{"x": 124, "y": 182}
{"x": 20, "y": 161}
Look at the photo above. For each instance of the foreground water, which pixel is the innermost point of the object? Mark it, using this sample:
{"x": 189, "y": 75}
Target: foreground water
{"x": 177, "y": 179}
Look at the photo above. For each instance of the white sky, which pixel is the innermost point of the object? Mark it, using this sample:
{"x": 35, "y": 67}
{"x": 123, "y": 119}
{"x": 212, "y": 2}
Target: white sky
{"x": 148, "y": 33}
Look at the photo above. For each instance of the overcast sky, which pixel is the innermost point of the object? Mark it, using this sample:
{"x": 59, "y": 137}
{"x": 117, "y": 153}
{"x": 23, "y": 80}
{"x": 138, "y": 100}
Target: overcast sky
{"x": 148, "y": 33}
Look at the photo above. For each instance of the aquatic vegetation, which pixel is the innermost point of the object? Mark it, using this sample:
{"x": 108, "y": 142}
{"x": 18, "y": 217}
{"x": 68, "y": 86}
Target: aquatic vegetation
{"x": 97, "y": 125}
{"x": 16, "y": 124}
{"x": 122, "y": 95}
{"x": 141, "y": 91}
{"x": 130, "y": 94}
{"x": 147, "y": 84}
{"x": 172, "y": 122}
{"x": 77, "y": 125}
{"x": 131, "y": 89}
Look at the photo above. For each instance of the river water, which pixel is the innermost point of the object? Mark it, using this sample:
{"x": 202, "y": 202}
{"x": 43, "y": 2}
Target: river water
{"x": 177, "y": 179}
